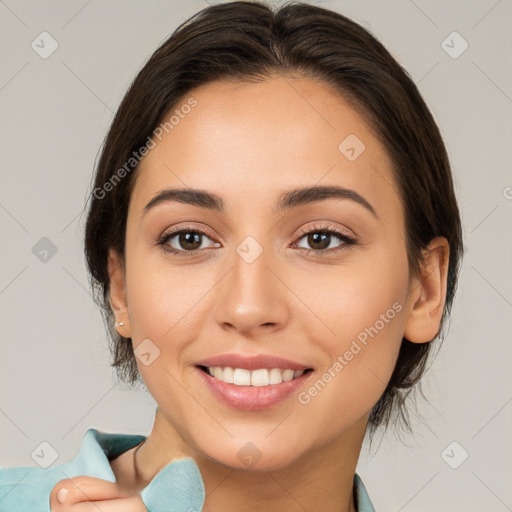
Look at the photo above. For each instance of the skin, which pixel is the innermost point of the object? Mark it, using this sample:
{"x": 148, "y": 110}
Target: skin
{"x": 249, "y": 143}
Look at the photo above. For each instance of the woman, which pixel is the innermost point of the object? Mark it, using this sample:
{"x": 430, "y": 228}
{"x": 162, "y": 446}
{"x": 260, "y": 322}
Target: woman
{"x": 275, "y": 242}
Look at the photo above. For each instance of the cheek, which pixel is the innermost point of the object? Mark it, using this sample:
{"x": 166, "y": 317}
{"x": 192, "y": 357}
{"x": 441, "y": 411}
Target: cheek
{"x": 155, "y": 308}
{"x": 360, "y": 362}
{"x": 167, "y": 309}
{"x": 162, "y": 300}
{"x": 358, "y": 325}
{"x": 359, "y": 300}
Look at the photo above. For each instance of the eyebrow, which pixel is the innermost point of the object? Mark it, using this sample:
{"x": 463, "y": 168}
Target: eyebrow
{"x": 287, "y": 200}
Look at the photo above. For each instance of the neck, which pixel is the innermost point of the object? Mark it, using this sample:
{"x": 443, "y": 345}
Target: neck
{"x": 321, "y": 479}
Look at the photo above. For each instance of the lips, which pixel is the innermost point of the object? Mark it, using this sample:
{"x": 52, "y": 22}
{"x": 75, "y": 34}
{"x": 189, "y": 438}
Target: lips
{"x": 252, "y": 362}
{"x": 236, "y": 381}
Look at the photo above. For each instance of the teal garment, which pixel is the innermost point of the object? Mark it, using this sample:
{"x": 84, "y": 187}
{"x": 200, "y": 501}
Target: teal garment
{"x": 178, "y": 487}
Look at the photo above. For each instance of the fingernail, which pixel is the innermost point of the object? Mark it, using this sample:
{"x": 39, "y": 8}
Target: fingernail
{"x": 62, "y": 495}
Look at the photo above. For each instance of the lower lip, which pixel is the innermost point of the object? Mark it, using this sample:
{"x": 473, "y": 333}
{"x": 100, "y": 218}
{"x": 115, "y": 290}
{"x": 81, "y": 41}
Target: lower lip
{"x": 252, "y": 398}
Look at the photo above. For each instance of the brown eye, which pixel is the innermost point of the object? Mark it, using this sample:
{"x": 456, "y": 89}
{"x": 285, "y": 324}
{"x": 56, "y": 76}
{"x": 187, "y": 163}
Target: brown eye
{"x": 184, "y": 242}
{"x": 189, "y": 240}
{"x": 319, "y": 241}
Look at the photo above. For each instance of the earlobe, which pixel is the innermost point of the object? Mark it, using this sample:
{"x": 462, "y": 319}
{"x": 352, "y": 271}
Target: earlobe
{"x": 117, "y": 292}
{"x": 427, "y": 295}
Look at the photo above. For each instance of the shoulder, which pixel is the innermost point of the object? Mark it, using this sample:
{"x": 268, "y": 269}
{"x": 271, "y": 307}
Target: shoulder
{"x": 29, "y": 488}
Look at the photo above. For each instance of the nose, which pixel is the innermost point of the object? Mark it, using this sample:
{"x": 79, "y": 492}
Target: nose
{"x": 252, "y": 298}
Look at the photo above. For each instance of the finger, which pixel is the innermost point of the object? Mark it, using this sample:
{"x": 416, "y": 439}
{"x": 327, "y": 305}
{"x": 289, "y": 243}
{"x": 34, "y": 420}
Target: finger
{"x": 83, "y": 488}
{"x": 132, "y": 504}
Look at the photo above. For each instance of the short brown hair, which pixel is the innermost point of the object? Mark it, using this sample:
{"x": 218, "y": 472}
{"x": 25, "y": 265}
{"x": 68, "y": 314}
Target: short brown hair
{"x": 249, "y": 41}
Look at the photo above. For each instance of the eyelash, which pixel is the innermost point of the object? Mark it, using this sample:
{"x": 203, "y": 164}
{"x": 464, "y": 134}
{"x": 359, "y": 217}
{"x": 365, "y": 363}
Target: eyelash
{"x": 346, "y": 239}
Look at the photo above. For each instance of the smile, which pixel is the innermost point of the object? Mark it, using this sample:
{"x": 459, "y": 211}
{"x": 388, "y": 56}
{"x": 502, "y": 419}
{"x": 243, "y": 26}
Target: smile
{"x": 258, "y": 377}
{"x": 252, "y": 390}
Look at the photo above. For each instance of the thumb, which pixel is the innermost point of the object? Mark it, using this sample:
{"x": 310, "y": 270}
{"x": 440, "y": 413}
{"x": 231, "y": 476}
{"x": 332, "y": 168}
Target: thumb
{"x": 84, "y": 488}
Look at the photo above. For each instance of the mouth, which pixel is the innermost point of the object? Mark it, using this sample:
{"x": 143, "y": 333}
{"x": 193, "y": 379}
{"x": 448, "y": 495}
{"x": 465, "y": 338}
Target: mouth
{"x": 260, "y": 377}
{"x": 252, "y": 390}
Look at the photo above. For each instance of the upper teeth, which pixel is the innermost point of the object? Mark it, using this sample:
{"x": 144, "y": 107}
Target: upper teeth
{"x": 260, "y": 377}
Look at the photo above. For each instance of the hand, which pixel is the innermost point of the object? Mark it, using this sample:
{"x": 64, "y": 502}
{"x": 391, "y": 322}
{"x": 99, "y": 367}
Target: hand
{"x": 88, "y": 494}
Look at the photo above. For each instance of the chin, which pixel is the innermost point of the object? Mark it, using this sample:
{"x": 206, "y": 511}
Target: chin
{"x": 253, "y": 456}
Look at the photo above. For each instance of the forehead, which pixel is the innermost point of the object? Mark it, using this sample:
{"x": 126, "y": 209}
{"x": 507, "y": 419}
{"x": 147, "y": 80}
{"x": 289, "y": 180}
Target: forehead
{"x": 252, "y": 140}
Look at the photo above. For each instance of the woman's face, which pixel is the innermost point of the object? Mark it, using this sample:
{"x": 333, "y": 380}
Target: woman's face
{"x": 246, "y": 279}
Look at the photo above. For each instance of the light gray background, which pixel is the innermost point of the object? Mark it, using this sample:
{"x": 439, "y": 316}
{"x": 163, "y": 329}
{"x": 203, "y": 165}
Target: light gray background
{"x": 55, "y": 376}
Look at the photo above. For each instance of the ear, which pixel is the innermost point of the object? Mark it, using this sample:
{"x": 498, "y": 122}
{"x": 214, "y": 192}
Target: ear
{"x": 117, "y": 291}
{"x": 427, "y": 294}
